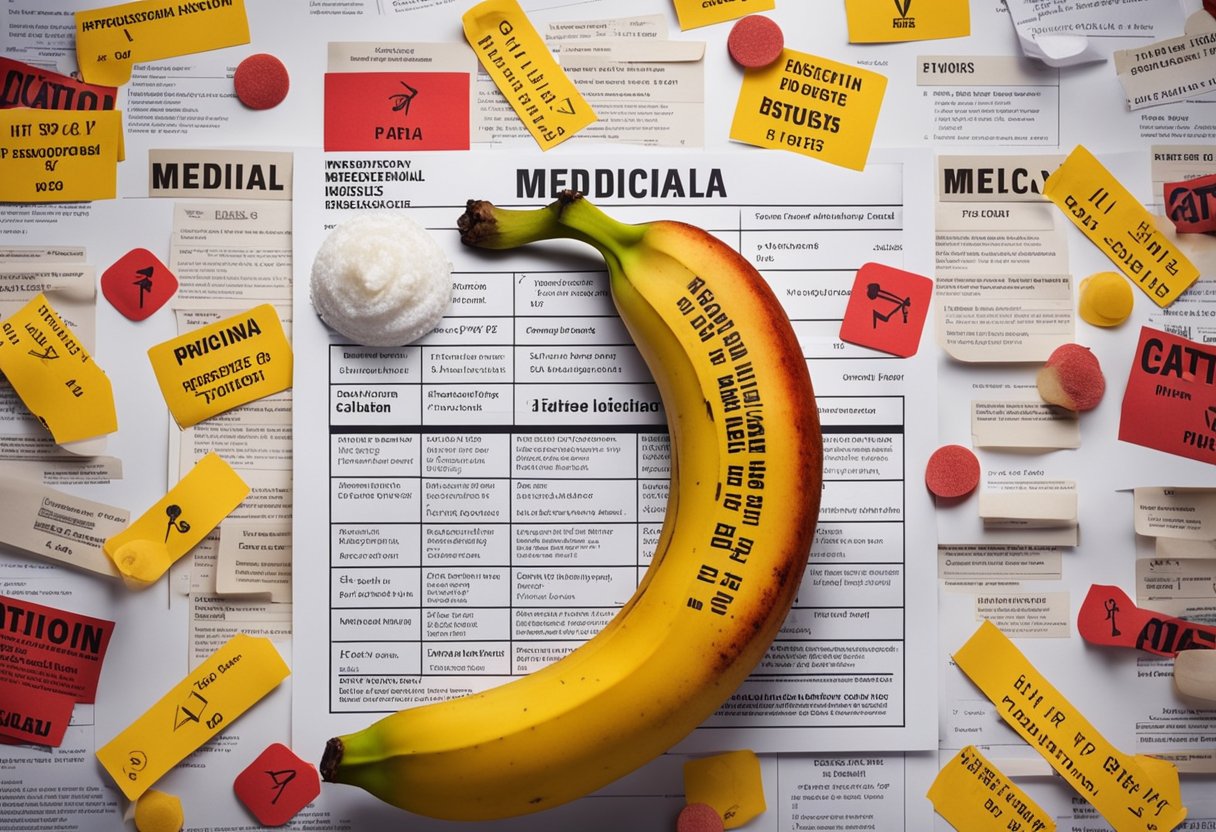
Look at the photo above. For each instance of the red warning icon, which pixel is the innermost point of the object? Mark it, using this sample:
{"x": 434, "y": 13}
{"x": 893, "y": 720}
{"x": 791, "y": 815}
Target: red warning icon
{"x": 138, "y": 284}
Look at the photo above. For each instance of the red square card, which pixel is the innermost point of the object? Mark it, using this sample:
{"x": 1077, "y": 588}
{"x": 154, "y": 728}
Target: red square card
{"x": 397, "y": 111}
{"x": 887, "y": 309}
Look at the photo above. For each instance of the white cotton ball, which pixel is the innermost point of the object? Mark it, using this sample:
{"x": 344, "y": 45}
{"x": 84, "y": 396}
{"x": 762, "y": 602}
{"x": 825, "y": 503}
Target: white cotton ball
{"x": 381, "y": 280}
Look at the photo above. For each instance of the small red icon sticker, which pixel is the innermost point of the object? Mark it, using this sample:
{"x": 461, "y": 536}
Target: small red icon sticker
{"x": 138, "y": 284}
{"x": 887, "y": 309}
{"x": 277, "y": 785}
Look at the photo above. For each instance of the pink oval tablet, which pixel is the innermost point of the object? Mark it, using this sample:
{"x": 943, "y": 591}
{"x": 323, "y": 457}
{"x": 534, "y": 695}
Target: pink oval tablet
{"x": 755, "y": 41}
{"x": 261, "y": 81}
{"x": 699, "y": 817}
{"x": 953, "y": 471}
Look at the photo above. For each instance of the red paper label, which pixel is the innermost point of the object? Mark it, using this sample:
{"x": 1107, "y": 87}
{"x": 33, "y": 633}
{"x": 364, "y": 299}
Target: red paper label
{"x": 396, "y": 111}
{"x": 1170, "y": 401}
{"x": 1191, "y": 205}
{"x": 277, "y": 785}
{"x": 1109, "y": 617}
{"x": 138, "y": 284}
{"x": 51, "y": 650}
{"x": 36, "y": 716}
{"x": 22, "y": 85}
{"x": 887, "y": 309}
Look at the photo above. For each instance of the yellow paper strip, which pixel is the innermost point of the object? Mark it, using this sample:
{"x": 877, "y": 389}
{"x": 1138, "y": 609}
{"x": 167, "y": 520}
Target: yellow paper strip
{"x": 1119, "y": 225}
{"x": 1115, "y": 783}
{"x": 109, "y": 40}
{"x": 225, "y": 685}
{"x": 143, "y": 551}
{"x": 540, "y": 92}
{"x": 810, "y": 105}
{"x": 884, "y": 21}
{"x": 228, "y": 363}
{"x": 695, "y": 13}
{"x": 974, "y": 796}
{"x": 54, "y": 375}
{"x": 59, "y": 155}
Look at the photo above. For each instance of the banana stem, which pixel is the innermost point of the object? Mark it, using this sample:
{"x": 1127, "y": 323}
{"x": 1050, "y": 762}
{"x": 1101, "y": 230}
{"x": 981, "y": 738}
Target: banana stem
{"x": 485, "y": 225}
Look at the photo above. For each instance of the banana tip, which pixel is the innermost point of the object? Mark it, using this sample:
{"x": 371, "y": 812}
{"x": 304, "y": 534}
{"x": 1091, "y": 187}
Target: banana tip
{"x": 330, "y": 760}
{"x": 477, "y": 222}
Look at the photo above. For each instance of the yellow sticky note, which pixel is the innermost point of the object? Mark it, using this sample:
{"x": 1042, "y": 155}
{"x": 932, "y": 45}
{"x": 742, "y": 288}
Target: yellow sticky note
{"x": 225, "y": 685}
{"x": 54, "y": 375}
{"x": 891, "y": 21}
{"x": 694, "y": 13}
{"x": 179, "y": 520}
{"x": 1119, "y": 225}
{"x": 1117, "y": 784}
{"x": 540, "y": 92}
{"x": 810, "y": 105}
{"x": 974, "y": 796}
{"x": 110, "y": 39}
{"x": 59, "y": 155}
{"x": 222, "y": 365}
{"x": 730, "y": 782}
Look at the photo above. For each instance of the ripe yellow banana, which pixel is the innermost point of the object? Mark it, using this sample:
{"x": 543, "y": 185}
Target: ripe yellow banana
{"x": 745, "y": 484}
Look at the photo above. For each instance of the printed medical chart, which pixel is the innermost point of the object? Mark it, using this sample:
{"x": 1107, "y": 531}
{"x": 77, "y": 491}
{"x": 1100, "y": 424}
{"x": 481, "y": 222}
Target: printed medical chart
{"x": 490, "y": 496}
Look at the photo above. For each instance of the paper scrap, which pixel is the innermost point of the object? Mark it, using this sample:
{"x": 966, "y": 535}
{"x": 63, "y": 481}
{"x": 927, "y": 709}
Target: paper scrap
{"x": 225, "y": 685}
{"x": 1117, "y": 784}
{"x": 1110, "y": 618}
{"x": 59, "y": 155}
{"x": 903, "y": 20}
{"x": 62, "y": 527}
{"x": 1170, "y": 400}
{"x": 110, "y": 39}
{"x": 1176, "y": 512}
{"x": 1189, "y": 204}
{"x": 730, "y": 782}
{"x": 54, "y": 374}
{"x": 887, "y": 309}
{"x": 52, "y": 650}
{"x": 254, "y": 560}
{"x": 1170, "y": 70}
{"x": 34, "y": 716}
{"x": 225, "y": 364}
{"x": 973, "y": 795}
{"x": 515, "y": 56}
{"x": 1180, "y": 578}
{"x": 1034, "y": 508}
{"x": 693, "y": 14}
{"x": 178, "y": 521}
{"x": 24, "y": 85}
{"x": 810, "y": 105}
{"x": 1118, "y": 224}
{"x": 396, "y": 111}
{"x": 1033, "y": 425}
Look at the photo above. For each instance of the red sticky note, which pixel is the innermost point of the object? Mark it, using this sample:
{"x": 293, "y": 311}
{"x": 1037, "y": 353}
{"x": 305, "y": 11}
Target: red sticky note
{"x": 1170, "y": 400}
{"x": 277, "y": 785}
{"x": 36, "y": 716}
{"x": 51, "y": 650}
{"x": 1108, "y": 617}
{"x": 138, "y": 284}
{"x": 396, "y": 111}
{"x": 23, "y": 85}
{"x": 887, "y": 309}
{"x": 1191, "y": 204}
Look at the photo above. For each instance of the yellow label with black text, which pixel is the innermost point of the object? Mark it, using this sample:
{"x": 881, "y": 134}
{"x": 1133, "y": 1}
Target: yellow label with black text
{"x": 695, "y": 13}
{"x": 224, "y": 685}
{"x": 178, "y": 521}
{"x": 110, "y": 39}
{"x": 54, "y": 374}
{"x": 893, "y": 21}
{"x": 1118, "y": 224}
{"x": 810, "y": 105}
{"x": 973, "y": 795}
{"x": 59, "y": 155}
{"x": 222, "y": 365}
{"x": 1126, "y": 793}
{"x": 538, "y": 89}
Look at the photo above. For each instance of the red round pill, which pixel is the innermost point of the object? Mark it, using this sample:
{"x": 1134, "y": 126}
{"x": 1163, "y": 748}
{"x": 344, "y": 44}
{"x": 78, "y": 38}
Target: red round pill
{"x": 699, "y": 817}
{"x": 261, "y": 81}
{"x": 953, "y": 471}
{"x": 755, "y": 41}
